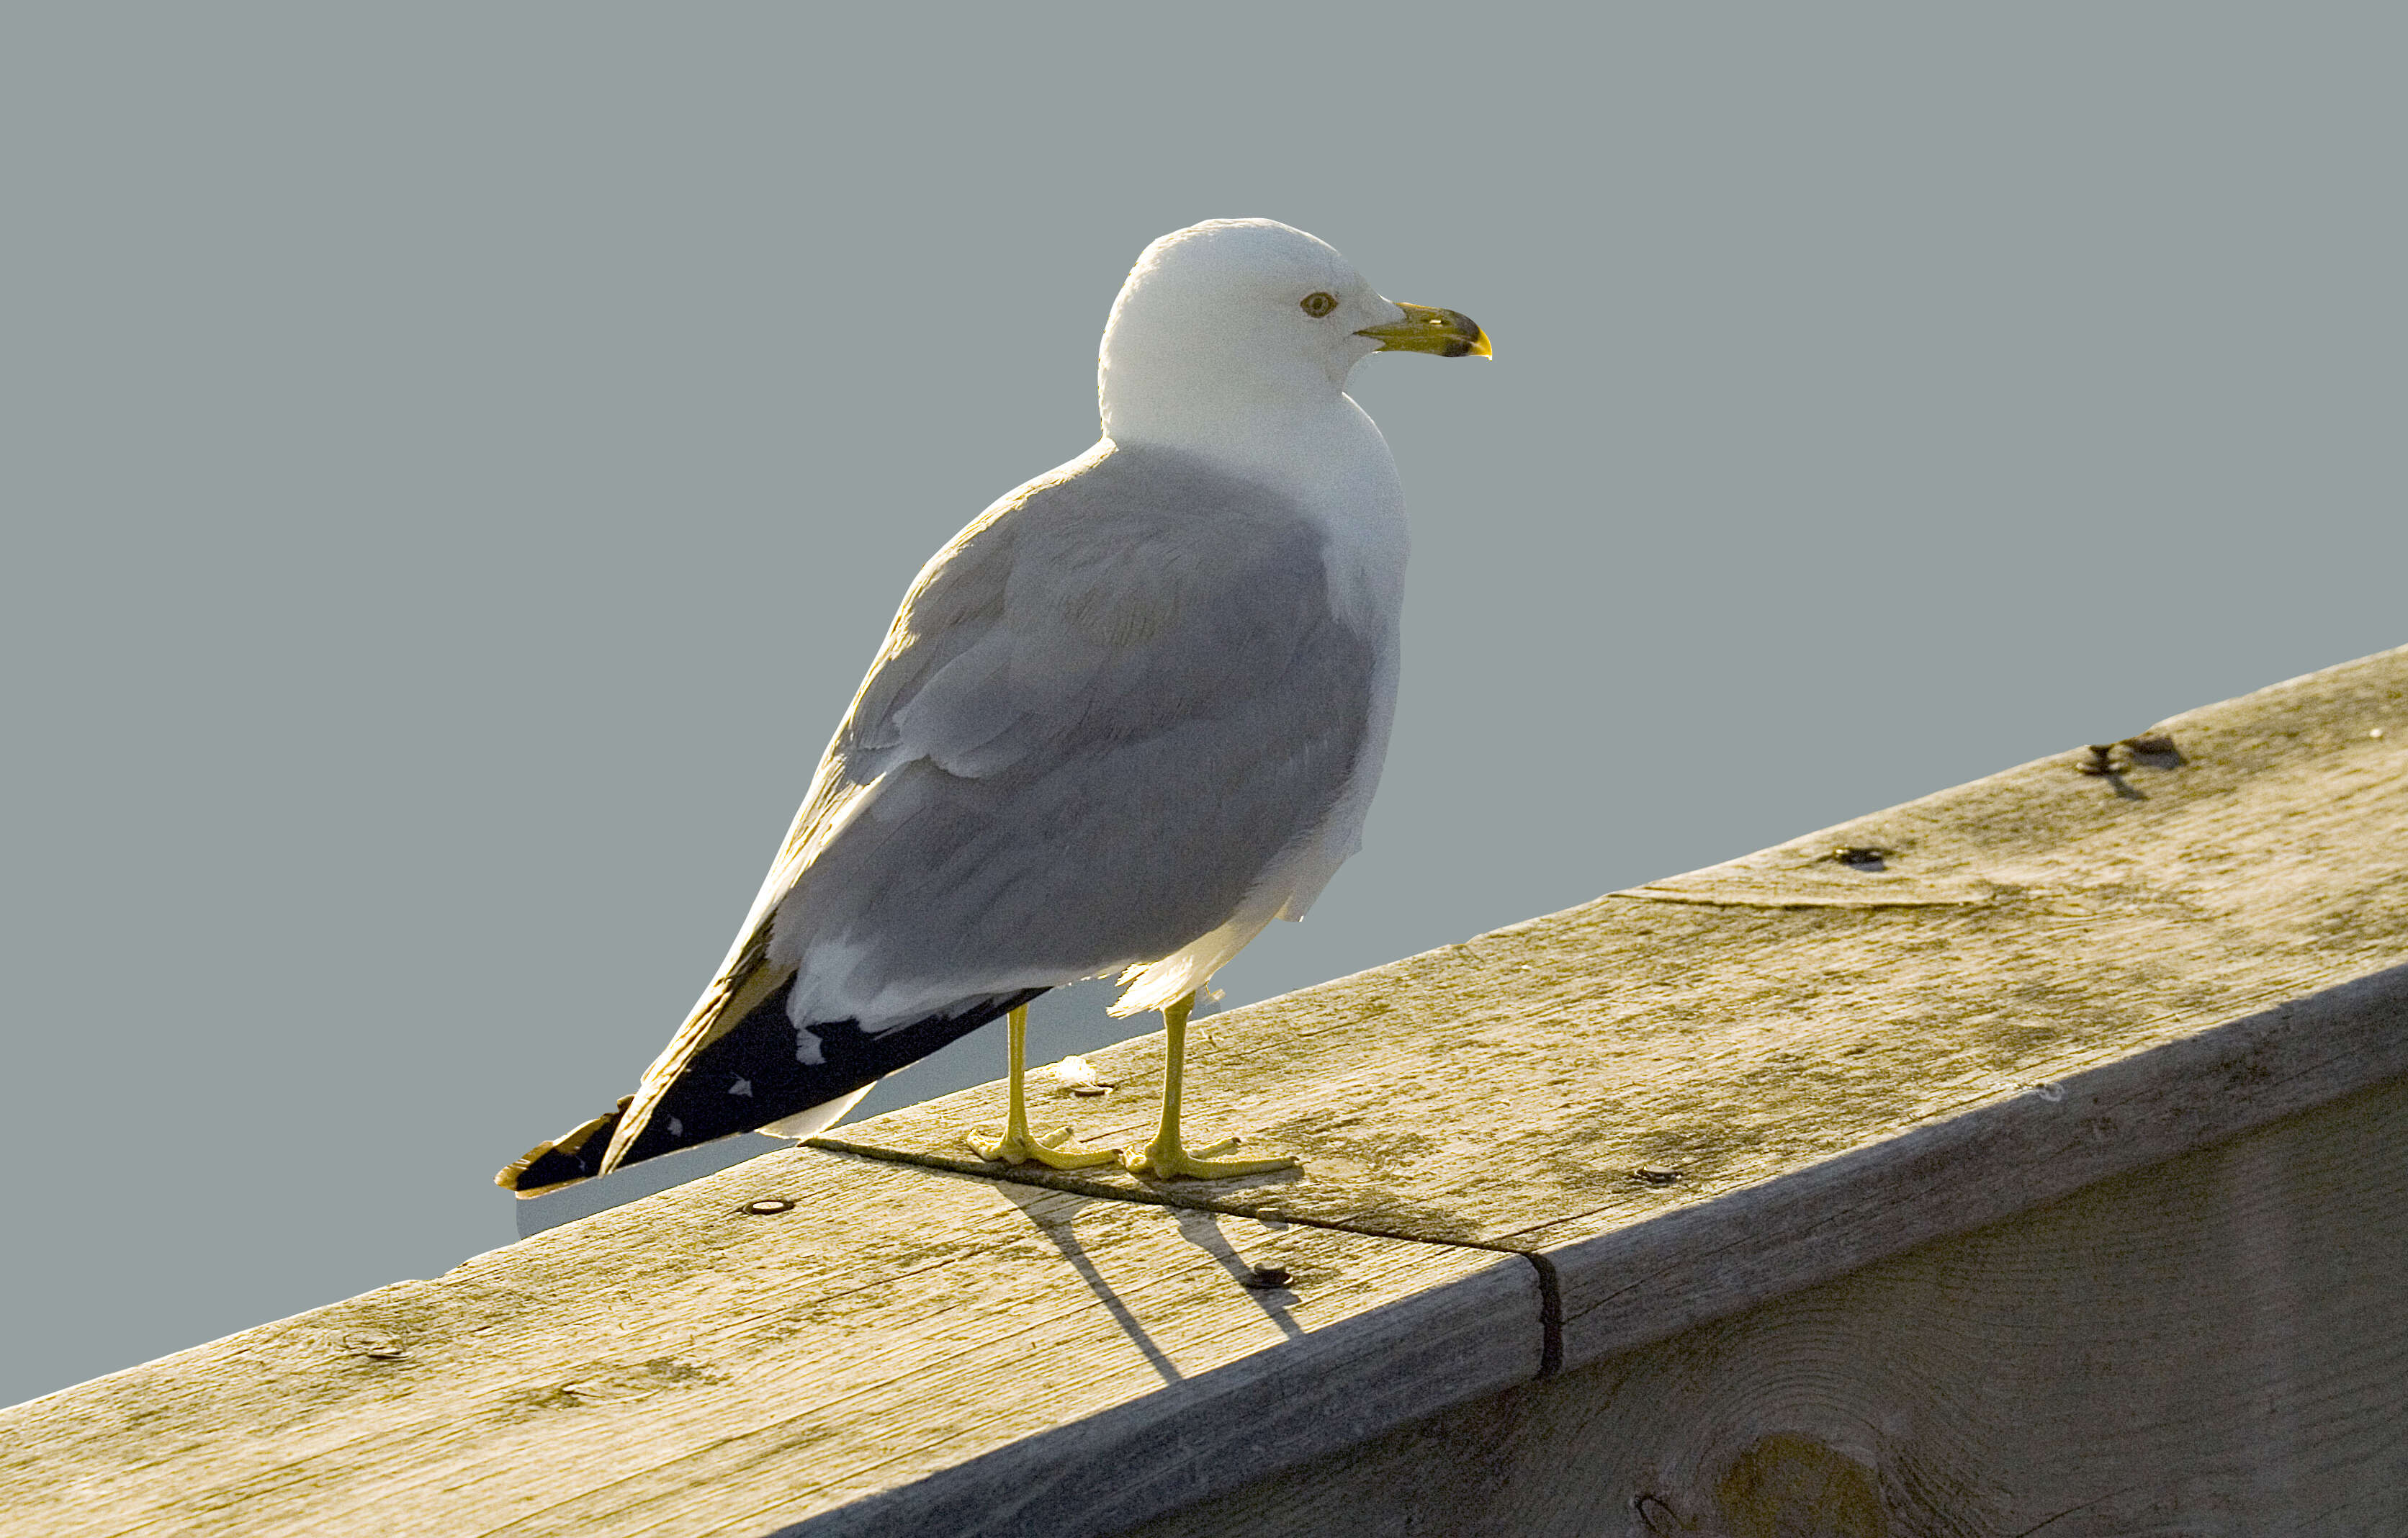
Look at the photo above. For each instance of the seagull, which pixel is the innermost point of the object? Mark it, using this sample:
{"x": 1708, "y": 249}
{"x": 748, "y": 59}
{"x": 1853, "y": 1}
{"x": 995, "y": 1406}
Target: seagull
{"x": 1132, "y": 713}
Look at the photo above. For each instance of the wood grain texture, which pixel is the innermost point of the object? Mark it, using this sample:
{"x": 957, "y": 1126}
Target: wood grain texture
{"x": 2212, "y": 1348}
{"x": 899, "y": 1351}
{"x": 1708, "y": 1100}
{"x": 2054, "y": 976}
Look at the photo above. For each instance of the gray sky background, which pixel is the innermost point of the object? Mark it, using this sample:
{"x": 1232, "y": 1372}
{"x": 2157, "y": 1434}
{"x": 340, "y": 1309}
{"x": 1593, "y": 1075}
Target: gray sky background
{"x": 460, "y": 459}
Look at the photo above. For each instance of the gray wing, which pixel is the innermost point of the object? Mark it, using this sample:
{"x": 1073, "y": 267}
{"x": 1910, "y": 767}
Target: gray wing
{"x": 1104, "y": 710}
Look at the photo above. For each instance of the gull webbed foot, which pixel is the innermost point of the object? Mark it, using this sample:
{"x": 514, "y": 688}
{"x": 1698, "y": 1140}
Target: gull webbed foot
{"x": 1018, "y": 1145}
{"x": 1167, "y": 1156}
{"x": 1158, "y": 1161}
{"x": 1015, "y": 1143}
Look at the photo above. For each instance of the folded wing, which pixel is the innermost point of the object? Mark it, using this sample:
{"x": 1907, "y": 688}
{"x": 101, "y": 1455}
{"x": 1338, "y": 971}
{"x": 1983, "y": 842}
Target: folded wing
{"x": 1105, "y": 712}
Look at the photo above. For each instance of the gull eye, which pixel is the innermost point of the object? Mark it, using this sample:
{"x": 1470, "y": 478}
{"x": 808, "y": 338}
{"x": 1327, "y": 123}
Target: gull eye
{"x": 1318, "y": 304}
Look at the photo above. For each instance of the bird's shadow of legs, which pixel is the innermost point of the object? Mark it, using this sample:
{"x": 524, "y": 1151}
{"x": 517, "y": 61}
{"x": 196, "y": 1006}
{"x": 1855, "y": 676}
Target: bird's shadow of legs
{"x": 1054, "y": 1213}
{"x": 1202, "y": 1229}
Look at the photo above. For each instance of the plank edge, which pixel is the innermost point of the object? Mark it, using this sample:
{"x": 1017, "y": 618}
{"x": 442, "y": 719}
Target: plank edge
{"x": 1646, "y": 1282}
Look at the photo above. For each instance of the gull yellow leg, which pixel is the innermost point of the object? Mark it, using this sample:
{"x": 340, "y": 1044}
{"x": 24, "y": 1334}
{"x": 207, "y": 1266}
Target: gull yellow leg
{"x": 1017, "y": 1144}
{"x": 1166, "y": 1155}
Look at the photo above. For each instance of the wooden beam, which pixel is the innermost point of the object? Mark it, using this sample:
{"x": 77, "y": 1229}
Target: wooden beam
{"x": 2213, "y": 1347}
{"x": 1819, "y": 1058}
{"x": 1550, "y": 1150}
{"x": 806, "y": 1341}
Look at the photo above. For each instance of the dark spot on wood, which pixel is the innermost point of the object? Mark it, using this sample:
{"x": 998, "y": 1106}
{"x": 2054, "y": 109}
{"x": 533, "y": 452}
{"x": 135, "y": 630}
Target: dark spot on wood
{"x": 1266, "y": 1278}
{"x": 623, "y": 1383}
{"x": 1862, "y": 856}
{"x": 1654, "y": 1174}
{"x": 673, "y": 1369}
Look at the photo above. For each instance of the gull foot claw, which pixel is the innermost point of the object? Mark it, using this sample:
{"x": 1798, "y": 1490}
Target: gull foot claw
{"x": 1021, "y": 1146}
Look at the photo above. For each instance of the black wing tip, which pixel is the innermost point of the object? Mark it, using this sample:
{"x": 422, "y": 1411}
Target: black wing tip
{"x": 565, "y": 1160}
{"x": 750, "y": 1075}
{"x": 744, "y": 1079}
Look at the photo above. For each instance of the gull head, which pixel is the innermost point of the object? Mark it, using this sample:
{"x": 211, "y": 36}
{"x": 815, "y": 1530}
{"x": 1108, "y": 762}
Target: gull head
{"x": 1247, "y": 316}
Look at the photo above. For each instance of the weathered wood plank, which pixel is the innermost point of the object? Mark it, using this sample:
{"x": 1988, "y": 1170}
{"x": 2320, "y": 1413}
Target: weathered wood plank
{"x": 2053, "y": 977}
{"x": 2212, "y": 1348}
{"x": 900, "y": 1350}
{"x": 1683, "y": 1102}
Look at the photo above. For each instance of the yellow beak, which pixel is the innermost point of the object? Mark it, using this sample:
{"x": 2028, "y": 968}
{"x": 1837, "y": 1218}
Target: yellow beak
{"x": 1445, "y": 332}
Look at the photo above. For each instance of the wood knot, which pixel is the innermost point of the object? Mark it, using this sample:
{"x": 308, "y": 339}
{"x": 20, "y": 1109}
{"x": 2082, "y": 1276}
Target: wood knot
{"x": 373, "y": 1344}
{"x": 1787, "y": 1487}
